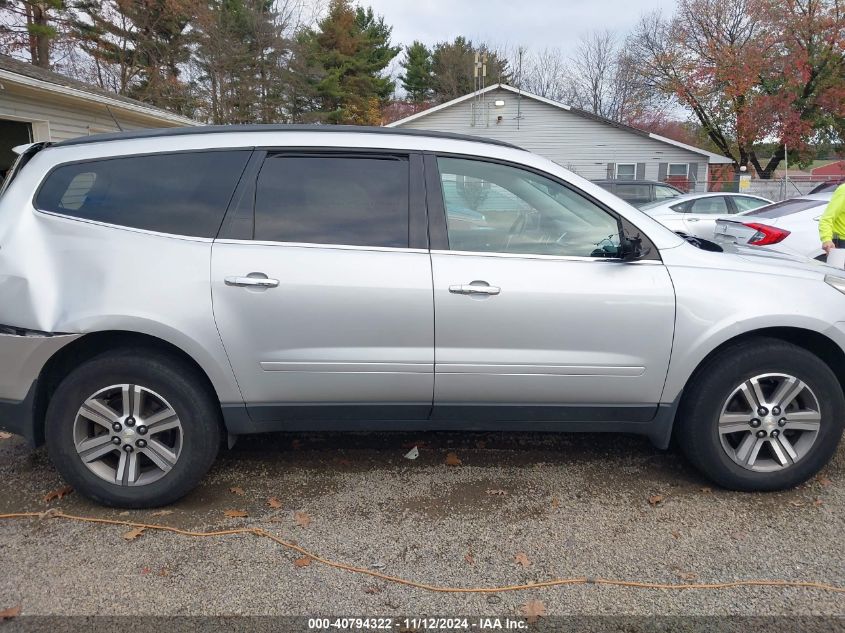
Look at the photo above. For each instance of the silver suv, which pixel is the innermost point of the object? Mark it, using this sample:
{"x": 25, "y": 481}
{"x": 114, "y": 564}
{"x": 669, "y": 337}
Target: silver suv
{"x": 162, "y": 289}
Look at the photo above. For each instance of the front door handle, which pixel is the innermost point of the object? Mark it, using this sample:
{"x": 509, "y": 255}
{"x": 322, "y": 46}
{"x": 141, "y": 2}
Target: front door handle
{"x": 252, "y": 282}
{"x": 475, "y": 288}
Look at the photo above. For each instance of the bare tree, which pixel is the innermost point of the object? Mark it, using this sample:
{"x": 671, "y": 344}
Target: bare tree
{"x": 544, "y": 73}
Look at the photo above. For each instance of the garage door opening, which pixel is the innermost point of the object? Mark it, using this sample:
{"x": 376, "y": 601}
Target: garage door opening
{"x": 12, "y": 133}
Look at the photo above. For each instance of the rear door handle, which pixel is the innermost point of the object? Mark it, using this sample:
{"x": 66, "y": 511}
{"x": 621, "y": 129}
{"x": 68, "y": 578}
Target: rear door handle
{"x": 472, "y": 289}
{"x": 252, "y": 282}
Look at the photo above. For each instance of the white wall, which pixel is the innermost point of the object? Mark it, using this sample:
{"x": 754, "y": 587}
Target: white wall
{"x": 65, "y": 118}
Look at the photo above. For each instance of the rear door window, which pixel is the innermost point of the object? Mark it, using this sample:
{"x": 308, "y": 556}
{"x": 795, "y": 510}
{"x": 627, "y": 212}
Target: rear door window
{"x": 182, "y": 194}
{"x": 333, "y": 199}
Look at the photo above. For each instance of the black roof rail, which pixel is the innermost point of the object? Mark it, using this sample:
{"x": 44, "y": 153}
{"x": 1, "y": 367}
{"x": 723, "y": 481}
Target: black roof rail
{"x": 220, "y": 129}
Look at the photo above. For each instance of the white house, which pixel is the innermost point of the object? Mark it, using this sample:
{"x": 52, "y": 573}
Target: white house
{"x": 592, "y": 146}
{"x": 40, "y": 105}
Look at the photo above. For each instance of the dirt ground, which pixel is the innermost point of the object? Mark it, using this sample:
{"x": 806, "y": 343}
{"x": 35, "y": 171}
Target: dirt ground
{"x": 513, "y": 509}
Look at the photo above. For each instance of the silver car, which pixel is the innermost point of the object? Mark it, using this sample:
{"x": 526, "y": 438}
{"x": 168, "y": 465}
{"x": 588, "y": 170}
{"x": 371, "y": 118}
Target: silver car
{"x": 164, "y": 290}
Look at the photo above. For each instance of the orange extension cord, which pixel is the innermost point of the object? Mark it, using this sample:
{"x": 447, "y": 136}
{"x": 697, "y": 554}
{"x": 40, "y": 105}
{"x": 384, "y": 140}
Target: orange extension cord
{"x": 557, "y": 582}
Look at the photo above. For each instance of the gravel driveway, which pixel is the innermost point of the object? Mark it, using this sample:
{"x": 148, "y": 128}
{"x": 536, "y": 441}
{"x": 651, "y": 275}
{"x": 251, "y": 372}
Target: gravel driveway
{"x": 514, "y": 508}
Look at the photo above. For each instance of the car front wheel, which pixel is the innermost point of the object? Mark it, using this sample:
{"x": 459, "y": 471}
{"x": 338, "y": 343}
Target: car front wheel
{"x": 133, "y": 429}
{"x": 763, "y": 415}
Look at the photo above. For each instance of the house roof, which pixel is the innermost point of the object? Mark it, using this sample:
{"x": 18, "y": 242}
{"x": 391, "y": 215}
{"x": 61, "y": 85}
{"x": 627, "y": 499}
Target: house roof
{"x": 712, "y": 157}
{"x": 16, "y": 71}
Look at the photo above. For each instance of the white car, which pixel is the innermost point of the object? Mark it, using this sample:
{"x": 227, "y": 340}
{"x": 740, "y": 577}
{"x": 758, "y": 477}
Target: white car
{"x": 696, "y": 213}
{"x": 791, "y": 226}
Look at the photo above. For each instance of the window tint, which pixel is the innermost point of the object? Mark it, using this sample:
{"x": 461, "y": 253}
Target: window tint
{"x": 501, "y": 209}
{"x": 714, "y": 205}
{"x": 633, "y": 193}
{"x": 747, "y": 204}
{"x": 664, "y": 193}
{"x": 352, "y": 200}
{"x": 182, "y": 194}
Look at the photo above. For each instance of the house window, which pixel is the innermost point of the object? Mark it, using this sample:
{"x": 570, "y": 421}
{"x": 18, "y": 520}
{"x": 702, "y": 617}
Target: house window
{"x": 678, "y": 170}
{"x": 626, "y": 171}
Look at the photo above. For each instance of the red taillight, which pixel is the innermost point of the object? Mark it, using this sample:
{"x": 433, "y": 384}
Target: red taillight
{"x": 766, "y": 235}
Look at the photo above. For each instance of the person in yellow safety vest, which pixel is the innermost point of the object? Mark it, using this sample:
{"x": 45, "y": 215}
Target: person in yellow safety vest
{"x": 832, "y": 222}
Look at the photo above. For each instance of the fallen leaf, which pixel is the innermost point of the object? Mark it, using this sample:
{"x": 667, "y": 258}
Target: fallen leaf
{"x": 824, "y": 482}
{"x": 236, "y": 514}
{"x": 11, "y": 612}
{"x": 125, "y": 513}
{"x": 274, "y": 502}
{"x": 413, "y": 453}
{"x": 145, "y": 571}
{"x": 163, "y": 572}
{"x": 5, "y": 436}
{"x": 134, "y": 533}
{"x": 817, "y": 502}
{"x": 235, "y": 490}
{"x": 797, "y": 504}
{"x": 497, "y": 493}
{"x": 161, "y": 513}
{"x": 469, "y": 558}
{"x": 654, "y": 500}
{"x": 533, "y": 610}
{"x": 522, "y": 559}
{"x": 303, "y": 519}
{"x": 373, "y": 589}
{"x": 676, "y": 534}
{"x": 58, "y": 493}
{"x": 452, "y": 459}
{"x": 302, "y": 562}
{"x": 555, "y": 502}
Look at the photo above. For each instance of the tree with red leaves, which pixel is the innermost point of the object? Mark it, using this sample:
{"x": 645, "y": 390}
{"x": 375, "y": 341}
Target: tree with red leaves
{"x": 751, "y": 71}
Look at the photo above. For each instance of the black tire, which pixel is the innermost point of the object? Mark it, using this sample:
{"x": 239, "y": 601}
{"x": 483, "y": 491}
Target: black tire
{"x": 697, "y": 422}
{"x": 170, "y": 377}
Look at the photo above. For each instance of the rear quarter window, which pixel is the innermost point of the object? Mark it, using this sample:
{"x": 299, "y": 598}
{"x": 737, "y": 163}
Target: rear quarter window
{"x": 182, "y": 194}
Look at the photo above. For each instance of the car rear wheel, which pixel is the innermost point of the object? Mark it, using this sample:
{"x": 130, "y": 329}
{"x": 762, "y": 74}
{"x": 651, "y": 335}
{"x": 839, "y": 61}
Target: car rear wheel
{"x": 762, "y": 415}
{"x": 133, "y": 429}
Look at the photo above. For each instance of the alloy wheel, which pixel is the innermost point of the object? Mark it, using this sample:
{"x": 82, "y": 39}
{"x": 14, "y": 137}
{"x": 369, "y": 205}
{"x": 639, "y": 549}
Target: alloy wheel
{"x": 769, "y": 422}
{"x": 128, "y": 435}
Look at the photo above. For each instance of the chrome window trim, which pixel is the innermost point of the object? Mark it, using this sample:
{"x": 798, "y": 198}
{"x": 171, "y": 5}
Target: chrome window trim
{"x": 565, "y": 258}
{"x": 70, "y": 218}
{"x": 341, "y": 247}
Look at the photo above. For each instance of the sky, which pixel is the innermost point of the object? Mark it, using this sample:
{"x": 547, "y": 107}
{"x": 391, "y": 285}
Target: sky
{"x": 535, "y": 24}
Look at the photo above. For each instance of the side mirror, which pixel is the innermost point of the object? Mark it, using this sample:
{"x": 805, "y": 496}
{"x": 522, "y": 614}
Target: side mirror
{"x": 630, "y": 248}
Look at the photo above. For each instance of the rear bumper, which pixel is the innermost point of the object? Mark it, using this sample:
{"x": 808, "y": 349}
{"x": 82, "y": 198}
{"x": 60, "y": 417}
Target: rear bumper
{"x": 22, "y": 357}
{"x": 18, "y": 416}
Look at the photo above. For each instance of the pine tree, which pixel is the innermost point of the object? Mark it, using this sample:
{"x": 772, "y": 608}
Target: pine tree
{"x": 453, "y": 65}
{"x": 347, "y": 54}
{"x": 145, "y": 42}
{"x": 418, "y": 79}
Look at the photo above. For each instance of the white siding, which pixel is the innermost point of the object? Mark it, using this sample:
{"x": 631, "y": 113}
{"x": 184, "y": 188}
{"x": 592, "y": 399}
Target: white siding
{"x": 573, "y": 141}
{"x": 68, "y": 118}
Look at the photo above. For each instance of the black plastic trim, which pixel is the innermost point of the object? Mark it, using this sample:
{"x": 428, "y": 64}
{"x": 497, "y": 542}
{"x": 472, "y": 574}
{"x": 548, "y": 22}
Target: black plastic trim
{"x": 652, "y": 420}
{"x": 239, "y": 220}
{"x": 18, "y": 416}
{"x": 236, "y": 129}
